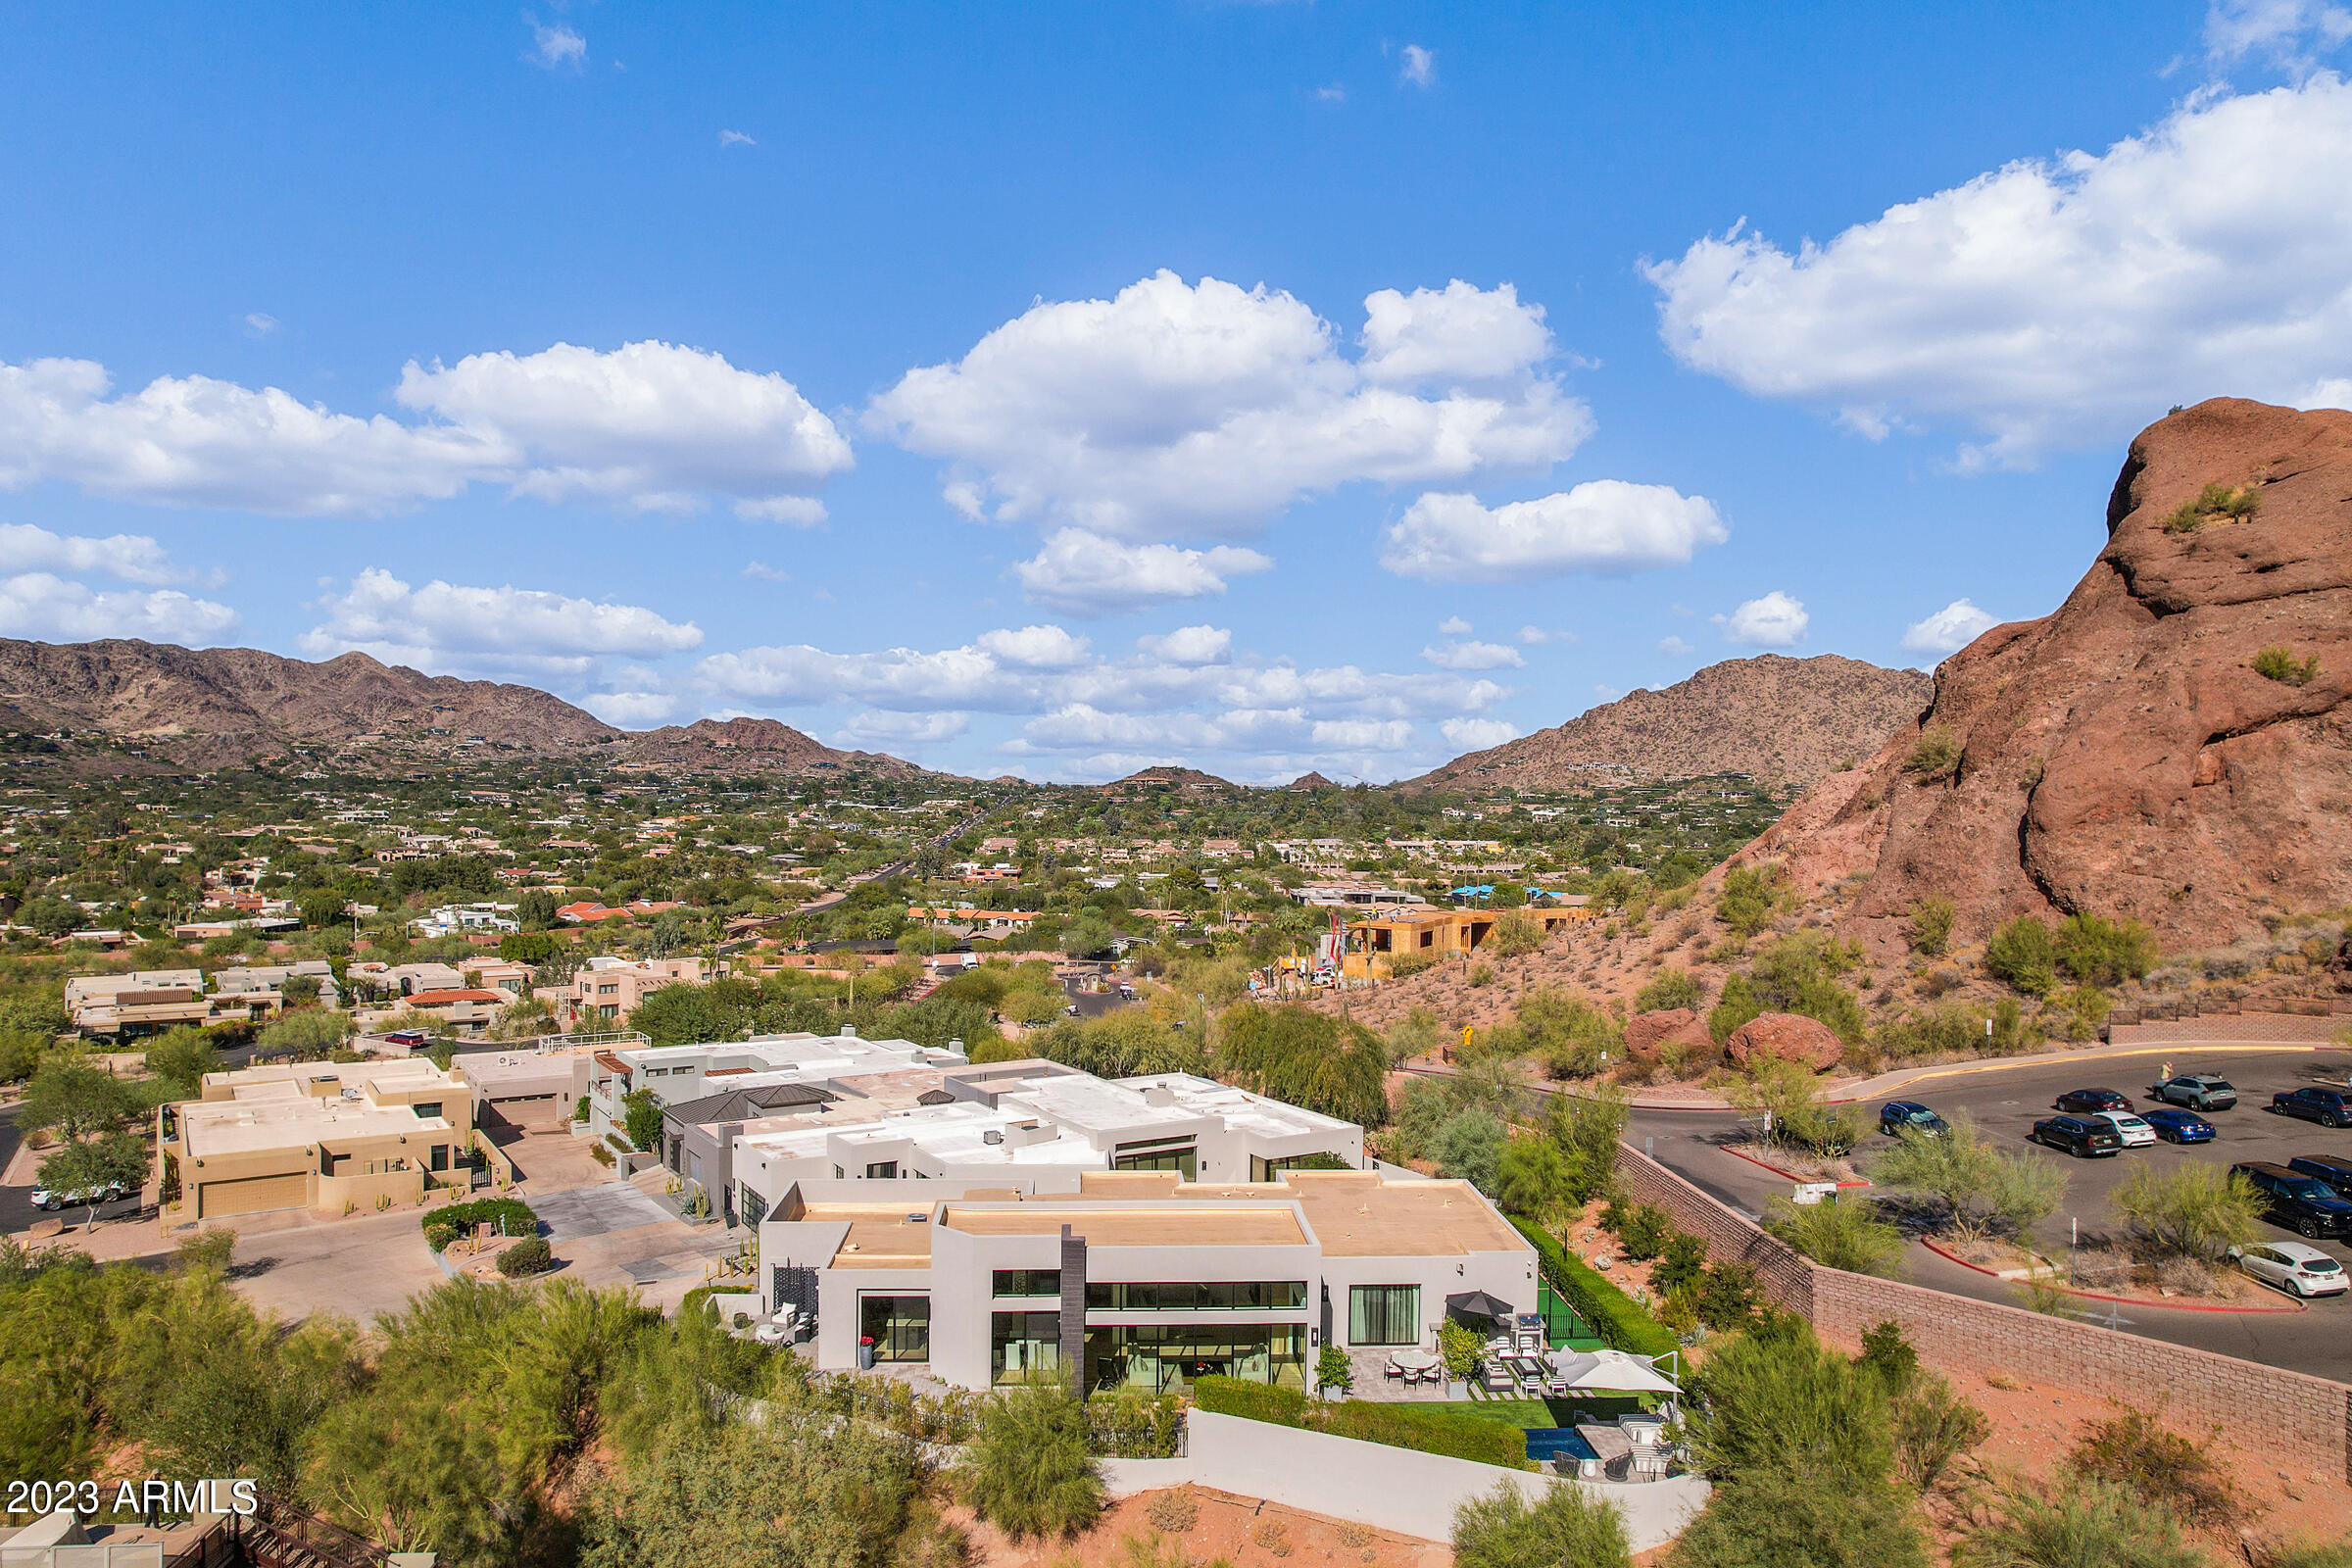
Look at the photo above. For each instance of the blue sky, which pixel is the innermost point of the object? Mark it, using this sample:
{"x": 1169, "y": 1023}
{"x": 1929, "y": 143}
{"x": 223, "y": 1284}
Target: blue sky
{"x": 1058, "y": 389}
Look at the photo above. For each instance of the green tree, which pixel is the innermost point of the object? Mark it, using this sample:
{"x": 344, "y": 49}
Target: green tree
{"x": 108, "y": 1160}
{"x": 527, "y": 946}
{"x": 642, "y": 1118}
{"x": 321, "y": 907}
{"x": 1567, "y": 1034}
{"x": 50, "y": 916}
{"x": 1587, "y": 1127}
{"x": 1307, "y": 1059}
{"x": 1334, "y": 1370}
{"x": 76, "y": 1100}
{"x": 1469, "y": 1147}
{"x": 535, "y": 910}
{"x": 179, "y": 1058}
{"x": 2023, "y": 955}
{"x": 1838, "y": 1233}
{"x": 1029, "y": 1470}
{"x": 1982, "y": 1188}
{"x": 685, "y": 1015}
{"x": 2196, "y": 1211}
{"x": 1565, "y": 1527}
{"x": 1533, "y": 1178}
{"x": 305, "y": 1032}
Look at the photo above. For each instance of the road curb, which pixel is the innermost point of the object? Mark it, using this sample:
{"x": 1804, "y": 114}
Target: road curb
{"x": 2121, "y": 1300}
{"x": 1785, "y": 1175}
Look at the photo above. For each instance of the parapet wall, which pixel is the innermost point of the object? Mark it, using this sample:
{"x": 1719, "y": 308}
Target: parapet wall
{"x": 2264, "y": 1409}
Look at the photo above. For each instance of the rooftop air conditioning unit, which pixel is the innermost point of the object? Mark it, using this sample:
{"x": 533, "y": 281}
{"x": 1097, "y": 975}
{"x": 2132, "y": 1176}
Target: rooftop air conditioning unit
{"x": 992, "y": 1136}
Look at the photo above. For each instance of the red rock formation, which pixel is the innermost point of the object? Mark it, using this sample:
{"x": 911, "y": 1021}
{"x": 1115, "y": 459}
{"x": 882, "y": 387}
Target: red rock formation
{"x": 1648, "y": 1034}
{"x": 2123, "y": 755}
{"x": 1788, "y": 1036}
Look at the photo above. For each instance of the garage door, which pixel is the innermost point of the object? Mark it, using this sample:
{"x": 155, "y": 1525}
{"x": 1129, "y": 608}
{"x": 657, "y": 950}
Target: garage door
{"x": 253, "y": 1194}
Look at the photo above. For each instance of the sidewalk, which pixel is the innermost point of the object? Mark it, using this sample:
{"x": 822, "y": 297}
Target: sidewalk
{"x": 1886, "y": 1084}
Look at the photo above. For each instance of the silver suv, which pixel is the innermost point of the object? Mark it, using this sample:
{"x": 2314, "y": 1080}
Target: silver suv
{"x": 2198, "y": 1091}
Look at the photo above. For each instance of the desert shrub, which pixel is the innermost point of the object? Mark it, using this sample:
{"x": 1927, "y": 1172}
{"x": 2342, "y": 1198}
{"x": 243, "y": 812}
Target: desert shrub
{"x": 2168, "y": 1472}
{"x": 2078, "y": 1013}
{"x": 509, "y": 1216}
{"x": 1133, "y": 1425}
{"x": 2281, "y": 664}
{"x": 1175, "y": 1510}
{"x": 1950, "y": 1029}
{"x": 1668, "y": 988}
{"x": 1933, "y": 1427}
{"x": 2073, "y": 1526}
{"x": 2098, "y": 952}
{"x": 1533, "y": 1178}
{"x": 1736, "y": 1005}
{"x": 1838, "y": 1233}
{"x": 1502, "y": 1529}
{"x": 1749, "y": 896}
{"x": 1586, "y": 1127}
{"x": 2216, "y": 503}
{"x": 1566, "y": 1033}
{"x": 1982, "y": 1188}
{"x": 1482, "y": 974}
{"x": 2023, "y": 955}
{"x": 1931, "y": 921}
{"x": 1681, "y": 1264}
{"x": 2314, "y": 1554}
{"x": 1517, "y": 933}
{"x": 530, "y": 1255}
{"x": 1642, "y": 1228}
{"x": 2196, "y": 1211}
{"x": 1030, "y": 1469}
{"x": 1469, "y": 1147}
{"x": 1934, "y": 755}
{"x": 1410, "y": 963}
{"x": 1803, "y": 973}
{"x": 1726, "y": 1296}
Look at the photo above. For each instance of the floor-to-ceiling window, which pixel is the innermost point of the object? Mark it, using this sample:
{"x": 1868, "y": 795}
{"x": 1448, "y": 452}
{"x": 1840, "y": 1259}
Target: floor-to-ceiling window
{"x": 1162, "y": 1153}
{"x": 1384, "y": 1314}
{"x": 1159, "y": 1356}
{"x": 899, "y": 1325}
{"x": 1024, "y": 1345}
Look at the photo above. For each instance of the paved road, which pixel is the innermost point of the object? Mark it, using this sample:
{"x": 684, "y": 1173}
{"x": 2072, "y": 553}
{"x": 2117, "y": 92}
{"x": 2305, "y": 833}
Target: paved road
{"x": 2006, "y": 1105}
{"x": 16, "y": 1203}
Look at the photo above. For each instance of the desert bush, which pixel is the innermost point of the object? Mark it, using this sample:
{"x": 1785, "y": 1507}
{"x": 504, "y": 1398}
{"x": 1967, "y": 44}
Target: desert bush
{"x": 1933, "y": 1427}
{"x": 1516, "y": 933}
{"x": 1681, "y": 1265}
{"x": 2077, "y": 1014}
{"x": 1668, "y": 988}
{"x": 2098, "y": 952}
{"x": 1983, "y": 1190}
{"x": 1726, "y": 1296}
{"x": 1482, "y": 974}
{"x": 1931, "y": 930}
{"x": 528, "y": 1256}
{"x": 2023, "y": 955}
{"x": 1949, "y": 1030}
{"x": 1502, "y": 1529}
{"x": 1750, "y": 897}
{"x": 2314, "y": 1554}
{"x": 1410, "y": 963}
{"x": 2281, "y": 664}
{"x": 2193, "y": 1211}
{"x": 1838, "y": 1233}
{"x": 2072, "y": 1526}
{"x": 2216, "y": 503}
{"x": 2166, "y": 1471}
{"x": 1174, "y": 1511}
{"x": 1030, "y": 1469}
{"x": 1934, "y": 755}
{"x": 1566, "y": 1033}
{"x": 1642, "y": 1228}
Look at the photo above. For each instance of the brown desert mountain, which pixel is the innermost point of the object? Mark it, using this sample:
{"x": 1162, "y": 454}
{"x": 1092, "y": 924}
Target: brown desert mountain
{"x": 1780, "y": 721}
{"x": 1182, "y": 781}
{"x": 2174, "y": 743}
{"x": 222, "y": 707}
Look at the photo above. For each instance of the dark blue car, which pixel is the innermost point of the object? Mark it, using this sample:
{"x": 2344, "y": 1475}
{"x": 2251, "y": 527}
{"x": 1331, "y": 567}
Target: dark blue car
{"x": 1897, "y": 1117}
{"x": 2179, "y": 1126}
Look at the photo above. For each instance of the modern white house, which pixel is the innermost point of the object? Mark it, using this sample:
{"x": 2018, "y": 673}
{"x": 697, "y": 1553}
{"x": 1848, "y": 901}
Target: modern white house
{"x": 1131, "y": 1279}
{"x": 679, "y": 1073}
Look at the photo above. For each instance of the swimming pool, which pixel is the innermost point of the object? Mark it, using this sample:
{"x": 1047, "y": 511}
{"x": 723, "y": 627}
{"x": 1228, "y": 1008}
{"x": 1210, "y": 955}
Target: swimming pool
{"x": 1558, "y": 1442}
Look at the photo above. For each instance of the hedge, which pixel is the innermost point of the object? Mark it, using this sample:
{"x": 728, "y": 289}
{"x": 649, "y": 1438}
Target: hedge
{"x": 1450, "y": 1432}
{"x": 512, "y": 1215}
{"x": 1615, "y": 1316}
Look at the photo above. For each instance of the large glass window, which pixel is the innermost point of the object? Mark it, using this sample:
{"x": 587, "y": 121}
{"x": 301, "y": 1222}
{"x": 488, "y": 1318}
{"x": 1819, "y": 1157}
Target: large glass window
{"x": 1384, "y": 1314}
{"x": 754, "y": 1207}
{"x": 1155, "y": 1357}
{"x": 1158, "y": 1155}
{"x": 1026, "y": 1282}
{"x": 899, "y": 1325}
{"x": 1196, "y": 1295}
{"x": 1023, "y": 1345}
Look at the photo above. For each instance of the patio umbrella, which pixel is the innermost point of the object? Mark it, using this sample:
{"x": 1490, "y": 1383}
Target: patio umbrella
{"x": 1612, "y": 1371}
{"x": 1477, "y": 1303}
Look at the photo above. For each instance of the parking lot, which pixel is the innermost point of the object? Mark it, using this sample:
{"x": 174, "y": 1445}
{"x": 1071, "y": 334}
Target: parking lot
{"x": 2005, "y": 1103}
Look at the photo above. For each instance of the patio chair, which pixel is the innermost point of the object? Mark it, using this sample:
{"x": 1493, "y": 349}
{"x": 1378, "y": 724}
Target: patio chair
{"x": 1392, "y": 1370}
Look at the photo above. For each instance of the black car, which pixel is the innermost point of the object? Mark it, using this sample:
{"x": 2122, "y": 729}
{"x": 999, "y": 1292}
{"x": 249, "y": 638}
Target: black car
{"x": 2090, "y": 1101}
{"x": 1897, "y": 1117}
{"x": 2304, "y": 1205}
{"x": 2333, "y": 1169}
{"x": 2198, "y": 1091}
{"x": 2080, "y": 1136}
{"x": 2329, "y": 1107}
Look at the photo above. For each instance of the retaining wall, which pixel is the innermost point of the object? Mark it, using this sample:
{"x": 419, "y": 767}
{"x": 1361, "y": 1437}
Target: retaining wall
{"x": 2265, "y": 1408}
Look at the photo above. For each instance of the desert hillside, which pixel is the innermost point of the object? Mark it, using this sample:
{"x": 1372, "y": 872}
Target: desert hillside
{"x": 1780, "y": 721}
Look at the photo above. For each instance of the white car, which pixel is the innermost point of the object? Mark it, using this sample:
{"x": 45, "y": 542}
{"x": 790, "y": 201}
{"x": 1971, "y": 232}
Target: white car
{"x": 44, "y": 1197}
{"x": 2294, "y": 1267}
{"x": 2134, "y": 1132}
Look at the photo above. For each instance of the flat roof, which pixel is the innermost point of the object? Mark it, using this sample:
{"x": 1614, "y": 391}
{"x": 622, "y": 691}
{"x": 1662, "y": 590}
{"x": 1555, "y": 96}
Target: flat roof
{"x": 1159, "y": 1224}
{"x": 1361, "y": 1215}
{"x": 881, "y": 1235}
{"x": 210, "y": 1128}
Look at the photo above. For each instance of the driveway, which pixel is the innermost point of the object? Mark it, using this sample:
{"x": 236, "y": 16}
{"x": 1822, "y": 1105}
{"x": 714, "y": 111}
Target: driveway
{"x": 2005, "y": 1104}
{"x": 16, "y": 1212}
{"x": 359, "y": 1266}
{"x": 585, "y": 1211}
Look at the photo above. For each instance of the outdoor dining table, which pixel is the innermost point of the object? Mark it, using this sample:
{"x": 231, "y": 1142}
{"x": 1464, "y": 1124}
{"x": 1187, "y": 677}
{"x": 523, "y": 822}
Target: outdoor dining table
{"x": 1417, "y": 1360}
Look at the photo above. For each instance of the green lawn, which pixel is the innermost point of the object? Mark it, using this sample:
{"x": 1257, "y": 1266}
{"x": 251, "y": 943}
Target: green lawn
{"x": 1536, "y": 1413}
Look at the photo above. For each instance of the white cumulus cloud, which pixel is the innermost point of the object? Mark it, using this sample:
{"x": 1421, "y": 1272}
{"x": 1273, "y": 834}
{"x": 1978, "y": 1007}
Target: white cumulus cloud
{"x": 1675, "y": 648}
{"x": 649, "y": 425}
{"x": 1474, "y": 655}
{"x": 1775, "y": 620}
{"x": 130, "y": 557}
{"x": 1606, "y": 526}
{"x": 1084, "y": 574}
{"x": 2056, "y": 301}
{"x": 1188, "y": 644}
{"x": 556, "y": 46}
{"x": 880, "y": 727}
{"x": 1949, "y": 630}
{"x": 1420, "y": 67}
{"x": 42, "y": 606}
{"x": 1460, "y": 334}
{"x": 1034, "y": 646}
{"x": 1478, "y": 734}
{"x": 444, "y": 627}
{"x": 1453, "y": 627}
{"x": 2291, "y": 33}
{"x": 1177, "y": 408}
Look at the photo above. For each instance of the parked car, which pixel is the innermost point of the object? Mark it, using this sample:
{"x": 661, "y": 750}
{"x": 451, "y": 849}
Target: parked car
{"x": 2175, "y": 1126}
{"x": 2333, "y": 1169}
{"x": 2082, "y": 1137}
{"x": 407, "y": 1037}
{"x": 2294, "y": 1267}
{"x": 78, "y": 1196}
{"x": 2329, "y": 1107}
{"x": 2304, "y": 1205}
{"x": 2198, "y": 1091}
{"x": 1897, "y": 1117}
{"x": 2135, "y": 1133}
{"x": 2090, "y": 1101}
